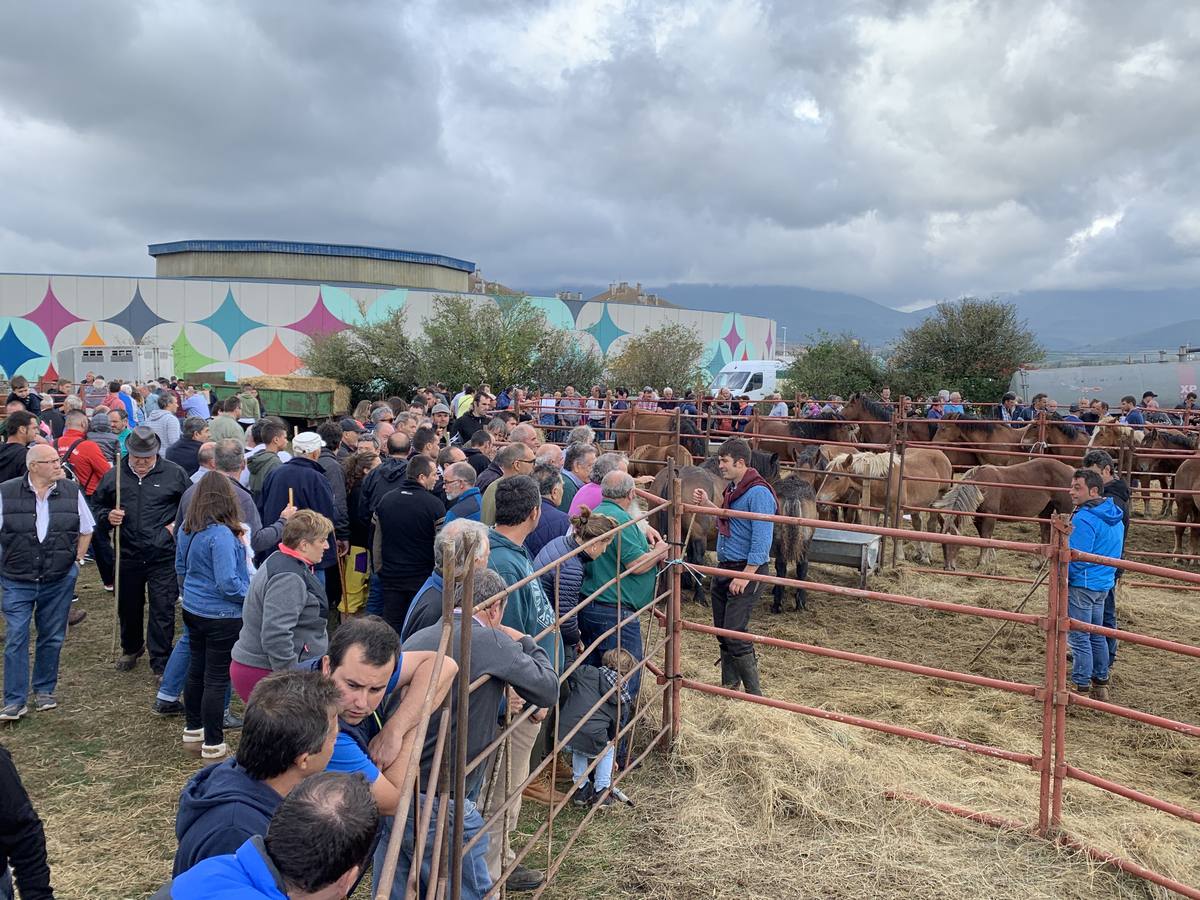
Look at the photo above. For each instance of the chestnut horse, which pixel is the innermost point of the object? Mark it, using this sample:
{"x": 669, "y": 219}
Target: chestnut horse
{"x": 1187, "y": 510}
{"x": 635, "y": 428}
{"x": 1064, "y": 440}
{"x": 970, "y": 441}
{"x": 995, "y": 496}
{"x": 647, "y": 460}
{"x": 828, "y": 426}
{"x": 845, "y": 476}
{"x": 868, "y": 411}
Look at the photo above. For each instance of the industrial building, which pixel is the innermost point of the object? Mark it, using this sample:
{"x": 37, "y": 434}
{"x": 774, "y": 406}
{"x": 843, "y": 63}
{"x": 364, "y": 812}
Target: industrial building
{"x": 239, "y": 308}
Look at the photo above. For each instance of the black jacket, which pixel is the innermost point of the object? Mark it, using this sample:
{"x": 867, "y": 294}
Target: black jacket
{"x": 12, "y": 461}
{"x": 185, "y": 453}
{"x": 407, "y": 521}
{"x": 586, "y": 686}
{"x": 487, "y": 476}
{"x": 1119, "y": 491}
{"x": 478, "y": 459}
{"x": 386, "y": 476}
{"x": 150, "y": 505}
{"x": 56, "y": 420}
{"x": 22, "y": 841}
{"x": 310, "y": 490}
{"x": 465, "y": 427}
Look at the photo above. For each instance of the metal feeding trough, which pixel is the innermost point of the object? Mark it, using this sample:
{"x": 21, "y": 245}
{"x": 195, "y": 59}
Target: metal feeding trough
{"x": 846, "y": 548}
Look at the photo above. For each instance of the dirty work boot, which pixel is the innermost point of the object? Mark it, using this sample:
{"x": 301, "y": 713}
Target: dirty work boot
{"x": 1100, "y": 690}
{"x": 747, "y": 669}
{"x": 729, "y": 673}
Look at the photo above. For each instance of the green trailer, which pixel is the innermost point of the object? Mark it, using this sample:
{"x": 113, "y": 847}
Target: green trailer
{"x": 295, "y": 399}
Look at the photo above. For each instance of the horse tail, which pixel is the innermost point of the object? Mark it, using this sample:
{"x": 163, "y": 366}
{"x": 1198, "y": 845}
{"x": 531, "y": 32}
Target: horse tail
{"x": 797, "y": 500}
{"x": 962, "y": 498}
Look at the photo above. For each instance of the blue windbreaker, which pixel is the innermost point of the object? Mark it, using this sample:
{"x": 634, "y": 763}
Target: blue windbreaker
{"x": 1097, "y": 527}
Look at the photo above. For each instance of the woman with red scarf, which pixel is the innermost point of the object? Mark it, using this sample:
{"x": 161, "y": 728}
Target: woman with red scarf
{"x": 743, "y": 545}
{"x": 284, "y": 615}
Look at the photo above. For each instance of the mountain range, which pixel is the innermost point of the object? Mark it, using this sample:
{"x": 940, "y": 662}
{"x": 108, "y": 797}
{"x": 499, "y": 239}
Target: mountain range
{"x": 1098, "y": 321}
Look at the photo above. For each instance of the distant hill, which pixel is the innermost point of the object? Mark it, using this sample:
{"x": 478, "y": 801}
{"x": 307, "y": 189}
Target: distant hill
{"x": 1087, "y": 321}
{"x": 801, "y": 310}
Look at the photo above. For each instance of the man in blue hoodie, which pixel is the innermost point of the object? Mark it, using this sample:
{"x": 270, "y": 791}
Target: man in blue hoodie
{"x": 291, "y": 725}
{"x": 1096, "y": 527}
{"x": 316, "y": 846}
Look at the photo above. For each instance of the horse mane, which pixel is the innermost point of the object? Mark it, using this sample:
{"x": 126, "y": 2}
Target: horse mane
{"x": 969, "y": 423}
{"x": 874, "y": 408}
{"x": 875, "y": 464}
{"x": 1176, "y": 438}
{"x": 815, "y": 428}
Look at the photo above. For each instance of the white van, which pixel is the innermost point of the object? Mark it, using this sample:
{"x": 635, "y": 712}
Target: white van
{"x": 757, "y": 379}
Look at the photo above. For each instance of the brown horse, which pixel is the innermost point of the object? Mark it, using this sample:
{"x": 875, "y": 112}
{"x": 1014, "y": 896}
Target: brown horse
{"x": 1187, "y": 510}
{"x": 1172, "y": 449}
{"x": 876, "y": 419}
{"x": 996, "y": 497}
{"x": 972, "y": 442}
{"x": 647, "y": 460}
{"x": 847, "y": 474}
{"x": 647, "y": 428}
{"x": 1064, "y": 440}
{"x": 828, "y": 426}
{"x": 698, "y": 528}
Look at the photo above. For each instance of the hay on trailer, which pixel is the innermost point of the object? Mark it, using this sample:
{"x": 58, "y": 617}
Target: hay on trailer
{"x": 341, "y": 393}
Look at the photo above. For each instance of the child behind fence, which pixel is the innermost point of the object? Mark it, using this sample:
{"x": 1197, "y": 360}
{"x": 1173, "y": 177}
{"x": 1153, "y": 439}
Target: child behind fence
{"x": 596, "y": 735}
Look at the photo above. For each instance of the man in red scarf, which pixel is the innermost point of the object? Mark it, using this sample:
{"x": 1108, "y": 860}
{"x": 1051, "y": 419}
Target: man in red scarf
{"x": 743, "y": 545}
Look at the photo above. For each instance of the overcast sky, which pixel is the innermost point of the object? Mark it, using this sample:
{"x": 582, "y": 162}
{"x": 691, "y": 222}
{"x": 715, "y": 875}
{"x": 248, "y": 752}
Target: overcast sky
{"x": 904, "y": 151}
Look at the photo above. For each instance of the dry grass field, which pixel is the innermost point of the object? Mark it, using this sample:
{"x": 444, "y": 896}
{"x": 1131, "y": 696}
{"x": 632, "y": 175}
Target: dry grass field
{"x": 754, "y": 803}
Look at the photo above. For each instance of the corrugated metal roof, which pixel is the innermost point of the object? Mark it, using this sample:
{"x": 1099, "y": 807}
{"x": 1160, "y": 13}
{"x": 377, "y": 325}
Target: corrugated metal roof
{"x": 307, "y": 249}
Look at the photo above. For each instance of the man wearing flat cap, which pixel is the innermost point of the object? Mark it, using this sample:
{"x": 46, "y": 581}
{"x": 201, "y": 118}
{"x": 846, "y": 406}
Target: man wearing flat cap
{"x": 151, "y": 488}
{"x": 302, "y": 482}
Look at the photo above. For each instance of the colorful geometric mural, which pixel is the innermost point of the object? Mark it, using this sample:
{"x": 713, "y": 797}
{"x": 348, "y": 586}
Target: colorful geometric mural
{"x": 257, "y": 327}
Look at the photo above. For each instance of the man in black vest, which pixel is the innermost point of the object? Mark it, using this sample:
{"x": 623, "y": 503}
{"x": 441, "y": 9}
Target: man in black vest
{"x": 45, "y": 528}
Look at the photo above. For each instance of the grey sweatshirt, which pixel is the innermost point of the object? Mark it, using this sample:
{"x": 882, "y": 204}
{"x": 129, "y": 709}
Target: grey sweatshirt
{"x": 283, "y": 617}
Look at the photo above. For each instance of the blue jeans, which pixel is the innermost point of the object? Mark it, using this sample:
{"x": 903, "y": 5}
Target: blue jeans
{"x": 1090, "y": 650}
{"x": 375, "y": 595}
{"x": 1110, "y": 621}
{"x": 596, "y": 618}
{"x": 476, "y": 882}
{"x": 601, "y": 775}
{"x": 175, "y": 674}
{"x": 46, "y": 605}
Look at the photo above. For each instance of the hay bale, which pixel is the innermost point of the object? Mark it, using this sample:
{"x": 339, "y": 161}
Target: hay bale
{"x": 307, "y": 383}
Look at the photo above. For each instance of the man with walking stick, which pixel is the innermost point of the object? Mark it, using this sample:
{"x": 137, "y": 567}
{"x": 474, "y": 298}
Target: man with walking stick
{"x": 140, "y": 498}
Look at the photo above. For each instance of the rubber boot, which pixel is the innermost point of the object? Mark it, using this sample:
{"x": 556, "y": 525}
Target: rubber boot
{"x": 747, "y": 669}
{"x": 729, "y": 673}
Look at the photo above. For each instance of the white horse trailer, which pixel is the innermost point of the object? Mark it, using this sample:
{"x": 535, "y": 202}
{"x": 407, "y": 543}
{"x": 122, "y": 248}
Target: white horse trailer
{"x": 128, "y": 362}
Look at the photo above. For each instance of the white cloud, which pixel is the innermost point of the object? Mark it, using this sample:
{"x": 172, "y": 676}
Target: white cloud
{"x": 905, "y": 150}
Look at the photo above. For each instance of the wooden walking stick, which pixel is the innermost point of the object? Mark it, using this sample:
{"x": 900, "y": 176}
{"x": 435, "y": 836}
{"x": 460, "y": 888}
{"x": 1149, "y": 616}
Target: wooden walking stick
{"x": 117, "y": 567}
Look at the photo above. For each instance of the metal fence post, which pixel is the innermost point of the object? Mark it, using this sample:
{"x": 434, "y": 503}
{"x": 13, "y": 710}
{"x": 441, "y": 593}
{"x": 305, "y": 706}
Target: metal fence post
{"x": 671, "y": 698}
{"x": 1059, "y": 561}
{"x": 1049, "y": 685}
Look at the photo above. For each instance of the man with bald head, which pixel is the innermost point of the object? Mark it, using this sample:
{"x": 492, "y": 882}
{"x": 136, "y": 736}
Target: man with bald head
{"x": 45, "y": 529}
{"x": 206, "y": 460}
{"x": 525, "y": 434}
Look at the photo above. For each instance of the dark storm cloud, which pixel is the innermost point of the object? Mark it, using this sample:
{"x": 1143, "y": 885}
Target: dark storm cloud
{"x": 902, "y": 150}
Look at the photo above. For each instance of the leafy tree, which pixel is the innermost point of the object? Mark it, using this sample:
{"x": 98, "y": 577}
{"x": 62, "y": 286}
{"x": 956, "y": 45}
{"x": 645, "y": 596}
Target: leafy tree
{"x": 467, "y": 342}
{"x": 970, "y": 345}
{"x": 373, "y": 360}
{"x": 833, "y": 364}
{"x": 667, "y": 356}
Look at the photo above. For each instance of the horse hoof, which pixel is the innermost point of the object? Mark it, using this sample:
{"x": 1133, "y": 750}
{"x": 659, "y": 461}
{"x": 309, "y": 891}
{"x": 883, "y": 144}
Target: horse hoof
{"x": 776, "y": 608}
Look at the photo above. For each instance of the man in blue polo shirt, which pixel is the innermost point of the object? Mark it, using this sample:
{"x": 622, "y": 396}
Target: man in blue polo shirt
{"x": 366, "y": 665}
{"x": 742, "y": 545}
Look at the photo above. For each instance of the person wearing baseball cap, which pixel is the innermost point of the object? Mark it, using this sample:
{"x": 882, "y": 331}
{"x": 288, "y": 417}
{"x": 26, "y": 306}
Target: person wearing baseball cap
{"x": 301, "y": 482}
{"x": 350, "y": 432}
{"x": 440, "y": 415}
{"x": 151, "y": 488}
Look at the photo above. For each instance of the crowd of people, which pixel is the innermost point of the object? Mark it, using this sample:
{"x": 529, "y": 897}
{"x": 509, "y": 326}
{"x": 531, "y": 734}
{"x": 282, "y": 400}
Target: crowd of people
{"x": 308, "y": 567}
